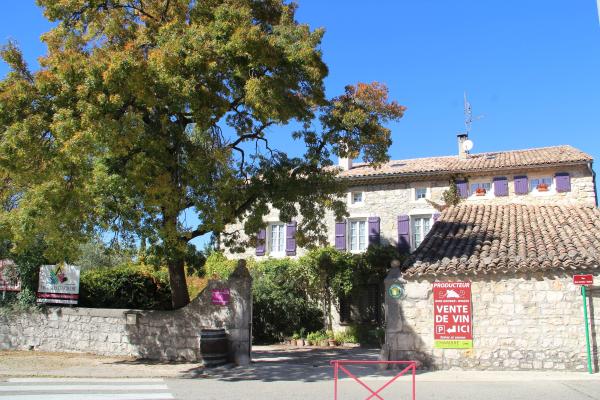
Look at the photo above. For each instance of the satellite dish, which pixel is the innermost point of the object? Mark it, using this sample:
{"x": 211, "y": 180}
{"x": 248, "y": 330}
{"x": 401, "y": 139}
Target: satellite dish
{"x": 467, "y": 145}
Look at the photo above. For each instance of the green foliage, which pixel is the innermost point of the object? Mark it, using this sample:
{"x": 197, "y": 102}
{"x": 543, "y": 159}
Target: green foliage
{"x": 96, "y": 254}
{"x": 316, "y": 337}
{"x": 218, "y": 266}
{"x": 348, "y": 335}
{"x": 451, "y": 196}
{"x": 143, "y": 111}
{"x": 126, "y": 286}
{"x": 281, "y": 304}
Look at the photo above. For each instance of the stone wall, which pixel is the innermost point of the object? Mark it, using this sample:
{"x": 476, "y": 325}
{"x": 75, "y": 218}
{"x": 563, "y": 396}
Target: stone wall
{"x": 520, "y": 322}
{"x": 158, "y": 335}
{"x": 390, "y": 200}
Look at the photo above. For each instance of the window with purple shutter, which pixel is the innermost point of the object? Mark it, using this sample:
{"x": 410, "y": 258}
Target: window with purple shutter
{"x": 290, "y": 239}
{"x": 261, "y": 244}
{"x": 563, "y": 182}
{"x": 340, "y": 235}
{"x": 521, "y": 185}
{"x": 500, "y": 186}
{"x": 374, "y": 234}
{"x": 463, "y": 189}
{"x": 404, "y": 233}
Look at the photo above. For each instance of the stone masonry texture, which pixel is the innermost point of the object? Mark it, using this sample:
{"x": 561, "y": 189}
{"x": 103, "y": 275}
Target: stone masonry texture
{"x": 520, "y": 322}
{"x": 156, "y": 335}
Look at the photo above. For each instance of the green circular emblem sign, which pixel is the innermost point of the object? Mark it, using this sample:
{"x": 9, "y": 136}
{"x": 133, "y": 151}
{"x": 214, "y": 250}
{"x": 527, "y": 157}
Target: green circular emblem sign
{"x": 396, "y": 291}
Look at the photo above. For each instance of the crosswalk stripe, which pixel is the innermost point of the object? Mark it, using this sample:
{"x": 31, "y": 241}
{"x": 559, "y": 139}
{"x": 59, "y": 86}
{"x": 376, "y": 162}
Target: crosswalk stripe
{"x": 69, "y": 388}
{"x": 87, "y": 380}
{"x": 94, "y": 396}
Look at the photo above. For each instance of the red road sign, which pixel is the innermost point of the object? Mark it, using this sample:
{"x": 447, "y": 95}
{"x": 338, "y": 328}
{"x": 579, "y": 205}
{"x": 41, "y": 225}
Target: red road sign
{"x": 452, "y": 326}
{"x": 587, "y": 279}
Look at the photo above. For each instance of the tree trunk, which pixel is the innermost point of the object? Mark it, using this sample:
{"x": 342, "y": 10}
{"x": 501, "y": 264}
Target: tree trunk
{"x": 179, "y": 291}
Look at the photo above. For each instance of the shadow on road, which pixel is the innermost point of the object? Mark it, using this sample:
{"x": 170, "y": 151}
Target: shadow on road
{"x": 278, "y": 363}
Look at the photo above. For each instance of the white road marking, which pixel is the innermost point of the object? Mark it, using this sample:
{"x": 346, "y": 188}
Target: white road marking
{"x": 94, "y": 396}
{"x": 70, "y": 388}
{"x": 87, "y": 380}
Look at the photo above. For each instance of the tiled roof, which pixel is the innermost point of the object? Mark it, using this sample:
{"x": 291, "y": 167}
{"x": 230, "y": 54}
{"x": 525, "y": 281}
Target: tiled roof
{"x": 475, "y": 162}
{"x": 489, "y": 239}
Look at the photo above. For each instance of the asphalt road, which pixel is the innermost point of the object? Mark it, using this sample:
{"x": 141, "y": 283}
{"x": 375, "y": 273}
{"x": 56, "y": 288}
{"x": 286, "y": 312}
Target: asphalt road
{"x": 276, "y": 373}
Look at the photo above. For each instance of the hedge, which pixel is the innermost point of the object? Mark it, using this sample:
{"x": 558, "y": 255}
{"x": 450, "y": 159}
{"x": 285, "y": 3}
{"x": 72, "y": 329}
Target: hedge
{"x": 127, "y": 286}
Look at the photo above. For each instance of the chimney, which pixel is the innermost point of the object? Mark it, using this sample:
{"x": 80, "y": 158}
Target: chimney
{"x": 345, "y": 163}
{"x": 462, "y": 138}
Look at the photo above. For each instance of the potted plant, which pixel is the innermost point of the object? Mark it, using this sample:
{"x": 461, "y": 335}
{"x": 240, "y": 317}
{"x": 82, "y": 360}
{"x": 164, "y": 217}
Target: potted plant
{"x": 295, "y": 337}
{"x": 330, "y": 338}
{"x": 542, "y": 187}
{"x": 480, "y": 191}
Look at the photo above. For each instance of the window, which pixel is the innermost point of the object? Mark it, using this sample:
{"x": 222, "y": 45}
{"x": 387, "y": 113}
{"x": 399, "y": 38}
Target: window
{"x": 277, "y": 238}
{"x": 358, "y": 235}
{"x": 543, "y": 184}
{"x": 481, "y": 189}
{"x": 420, "y": 193}
{"x": 420, "y": 228}
{"x": 356, "y": 197}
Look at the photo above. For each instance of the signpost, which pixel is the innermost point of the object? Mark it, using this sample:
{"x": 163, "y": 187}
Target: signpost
{"x": 452, "y": 326}
{"x": 583, "y": 281}
{"x": 58, "y": 284}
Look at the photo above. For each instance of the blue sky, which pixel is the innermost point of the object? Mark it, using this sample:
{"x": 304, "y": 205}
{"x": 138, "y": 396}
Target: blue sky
{"x": 531, "y": 68}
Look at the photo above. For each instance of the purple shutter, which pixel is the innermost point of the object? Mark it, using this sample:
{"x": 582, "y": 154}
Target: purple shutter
{"x": 261, "y": 243}
{"x": 563, "y": 182}
{"x": 404, "y": 233}
{"x": 501, "y": 186}
{"x": 340, "y": 235}
{"x": 436, "y": 216}
{"x": 521, "y": 185}
{"x": 290, "y": 239}
{"x": 374, "y": 234}
{"x": 463, "y": 189}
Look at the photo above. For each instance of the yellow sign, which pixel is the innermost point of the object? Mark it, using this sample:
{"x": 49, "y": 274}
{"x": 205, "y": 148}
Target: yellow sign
{"x": 453, "y": 344}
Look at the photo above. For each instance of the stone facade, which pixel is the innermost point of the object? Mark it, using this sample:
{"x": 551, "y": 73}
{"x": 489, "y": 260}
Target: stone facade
{"x": 520, "y": 322}
{"x": 157, "y": 335}
{"x": 389, "y": 199}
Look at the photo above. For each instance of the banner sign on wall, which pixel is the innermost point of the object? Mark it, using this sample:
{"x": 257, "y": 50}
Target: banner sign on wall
{"x": 58, "y": 284}
{"x": 220, "y": 297}
{"x": 9, "y": 279}
{"x": 452, "y": 326}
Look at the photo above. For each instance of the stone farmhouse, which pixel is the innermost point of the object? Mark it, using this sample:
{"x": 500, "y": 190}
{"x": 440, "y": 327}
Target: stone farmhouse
{"x": 527, "y": 221}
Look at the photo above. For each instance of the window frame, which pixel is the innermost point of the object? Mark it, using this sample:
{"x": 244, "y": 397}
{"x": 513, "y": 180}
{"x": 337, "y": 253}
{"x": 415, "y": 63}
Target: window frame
{"x": 365, "y": 235}
{"x": 534, "y": 190}
{"x": 473, "y": 194}
{"x": 281, "y": 239}
{"x": 413, "y": 218}
{"x": 416, "y": 191}
{"x": 352, "y": 202}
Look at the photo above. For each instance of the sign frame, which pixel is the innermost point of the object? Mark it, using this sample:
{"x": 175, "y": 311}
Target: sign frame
{"x": 583, "y": 279}
{"x": 452, "y": 315}
{"x": 59, "y": 284}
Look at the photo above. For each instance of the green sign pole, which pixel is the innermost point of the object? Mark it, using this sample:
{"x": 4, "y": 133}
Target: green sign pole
{"x": 587, "y": 330}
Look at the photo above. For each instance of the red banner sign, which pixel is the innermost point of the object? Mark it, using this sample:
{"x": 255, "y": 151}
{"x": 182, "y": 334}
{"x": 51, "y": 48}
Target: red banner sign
{"x": 220, "y": 297}
{"x": 587, "y": 279}
{"x": 452, "y": 326}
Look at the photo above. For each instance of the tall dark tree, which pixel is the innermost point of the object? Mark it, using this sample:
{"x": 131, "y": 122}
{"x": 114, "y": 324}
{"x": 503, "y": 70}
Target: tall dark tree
{"x": 144, "y": 109}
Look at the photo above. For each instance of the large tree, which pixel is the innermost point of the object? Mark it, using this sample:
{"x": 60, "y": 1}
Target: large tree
{"x": 145, "y": 109}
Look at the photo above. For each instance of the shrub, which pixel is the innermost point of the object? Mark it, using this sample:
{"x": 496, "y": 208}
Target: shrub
{"x": 218, "y": 266}
{"x": 127, "y": 286}
{"x": 348, "y": 335}
{"x": 281, "y": 305}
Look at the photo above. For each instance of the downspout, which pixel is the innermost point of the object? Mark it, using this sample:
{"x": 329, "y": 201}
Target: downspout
{"x": 590, "y": 165}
